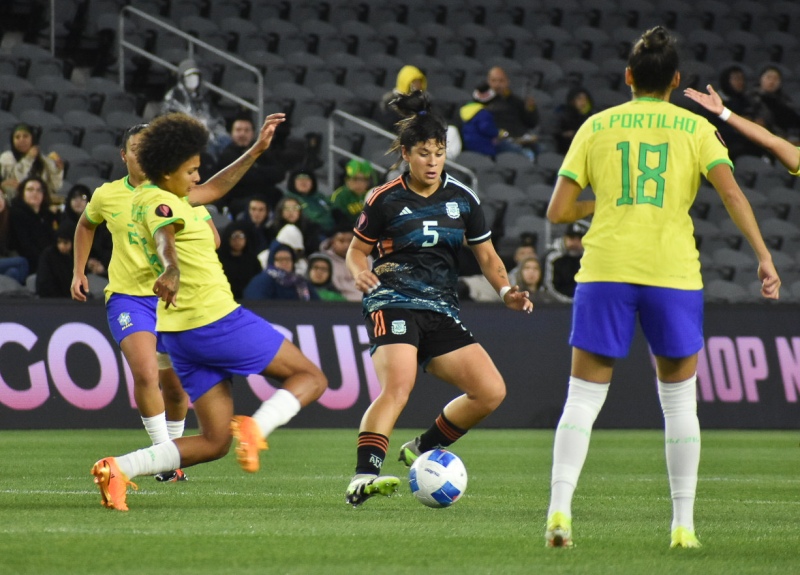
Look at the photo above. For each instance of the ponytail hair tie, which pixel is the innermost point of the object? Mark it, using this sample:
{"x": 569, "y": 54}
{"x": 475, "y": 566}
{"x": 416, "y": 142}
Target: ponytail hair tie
{"x": 422, "y": 112}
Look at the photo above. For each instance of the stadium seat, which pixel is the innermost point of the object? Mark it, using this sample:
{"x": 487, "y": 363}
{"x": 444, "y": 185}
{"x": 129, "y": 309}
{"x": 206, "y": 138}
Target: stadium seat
{"x": 96, "y": 135}
{"x": 723, "y": 291}
{"x": 556, "y": 43}
{"x": 28, "y": 100}
{"x": 323, "y": 37}
{"x": 110, "y": 154}
{"x": 39, "y": 118}
{"x": 62, "y": 134}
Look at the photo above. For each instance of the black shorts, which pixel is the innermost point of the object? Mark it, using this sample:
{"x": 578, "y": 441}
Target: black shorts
{"x": 432, "y": 333}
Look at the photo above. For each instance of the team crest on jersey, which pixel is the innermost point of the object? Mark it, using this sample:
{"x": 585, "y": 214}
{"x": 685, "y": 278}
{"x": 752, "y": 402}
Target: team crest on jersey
{"x": 399, "y": 327}
{"x": 164, "y": 211}
{"x": 452, "y": 210}
{"x": 124, "y": 320}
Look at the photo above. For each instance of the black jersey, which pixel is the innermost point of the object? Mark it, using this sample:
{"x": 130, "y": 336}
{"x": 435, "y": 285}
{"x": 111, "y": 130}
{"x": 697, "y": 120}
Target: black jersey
{"x": 418, "y": 241}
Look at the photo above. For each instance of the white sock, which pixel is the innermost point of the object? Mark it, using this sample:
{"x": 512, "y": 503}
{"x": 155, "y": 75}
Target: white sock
{"x": 584, "y": 401}
{"x": 175, "y": 428}
{"x": 682, "y": 439}
{"x": 276, "y": 411}
{"x": 150, "y": 460}
{"x": 156, "y": 427}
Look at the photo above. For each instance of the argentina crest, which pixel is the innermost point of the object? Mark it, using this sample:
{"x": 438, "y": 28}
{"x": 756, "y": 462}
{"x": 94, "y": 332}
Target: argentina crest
{"x": 452, "y": 210}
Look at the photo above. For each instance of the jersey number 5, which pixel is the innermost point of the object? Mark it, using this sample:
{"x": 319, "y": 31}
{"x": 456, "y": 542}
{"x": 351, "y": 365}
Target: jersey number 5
{"x": 431, "y": 234}
{"x": 646, "y": 174}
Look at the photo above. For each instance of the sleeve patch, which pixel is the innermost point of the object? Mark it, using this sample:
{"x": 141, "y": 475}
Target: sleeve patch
{"x": 164, "y": 211}
{"x": 719, "y": 137}
{"x": 361, "y": 224}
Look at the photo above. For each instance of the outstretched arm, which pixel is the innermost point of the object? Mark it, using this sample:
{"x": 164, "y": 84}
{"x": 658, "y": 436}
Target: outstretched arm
{"x": 221, "y": 183}
{"x": 564, "y": 207}
{"x": 786, "y": 152}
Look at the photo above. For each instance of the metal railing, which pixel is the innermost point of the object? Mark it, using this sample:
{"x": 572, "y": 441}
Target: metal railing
{"x": 333, "y": 149}
{"x": 192, "y": 44}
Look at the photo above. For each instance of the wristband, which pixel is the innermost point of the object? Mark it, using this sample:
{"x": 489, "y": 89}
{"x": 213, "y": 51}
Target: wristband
{"x": 503, "y": 291}
{"x": 726, "y": 113}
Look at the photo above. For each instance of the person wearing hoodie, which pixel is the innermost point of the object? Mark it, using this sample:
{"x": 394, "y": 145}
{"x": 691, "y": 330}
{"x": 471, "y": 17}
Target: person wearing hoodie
{"x": 238, "y": 257}
{"x": 302, "y": 186}
{"x": 24, "y": 160}
{"x": 577, "y": 107}
{"x": 409, "y": 79}
{"x": 100, "y": 255}
{"x": 279, "y": 280}
{"x": 479, "y": 131}
{"x": 320, "y": 275}
{"x": 189, "y": 97}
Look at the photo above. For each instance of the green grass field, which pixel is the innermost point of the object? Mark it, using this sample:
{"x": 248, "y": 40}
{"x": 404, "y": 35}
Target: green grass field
{"x": 291, "y": 516}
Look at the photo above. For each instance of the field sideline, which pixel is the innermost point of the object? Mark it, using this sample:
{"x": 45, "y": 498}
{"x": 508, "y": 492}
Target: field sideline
{"x": 291, "y": 516}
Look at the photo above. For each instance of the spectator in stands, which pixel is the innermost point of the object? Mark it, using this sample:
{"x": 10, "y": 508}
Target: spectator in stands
{"x": 291, "y": 236}
{"x": 11, "y": 265}
{"x": 279, "y": 280}
{"x": 774, "y": 108}
{"x": 102, "y": 246}
{"x": 571, "y": 115}
{"x": 54, "y": 274}
{"x": 531, "y": 280}
{"x": 335, "y": 248}
{"x": 522, "y": 252}
{"x": 33, "y": 225}
{"x": 238, "y": 257}
{"x": 260, "y": 179}
{"x": 479, "y": 132}
{"x": 320, "y": 275}
{"x": 409, "y": 79}
{"x": 563, "y": 261}
{"x": 349, "y": 198}
{"x": 517, "y": 116}
{"x": 25, "y": 160}
{"x": 189, "y": 97}
{"x": 257, "y": 217}
{"x": 316, "y": 206}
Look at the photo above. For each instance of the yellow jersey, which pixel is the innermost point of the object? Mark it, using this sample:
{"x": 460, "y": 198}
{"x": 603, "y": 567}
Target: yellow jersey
{"x": 643, "y": 160}
{"x": 128, "y": 271}
{"x": 204, "y": 295}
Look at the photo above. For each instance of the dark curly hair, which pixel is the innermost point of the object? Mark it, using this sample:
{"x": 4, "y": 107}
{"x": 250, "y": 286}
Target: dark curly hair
{"x": 419, "y": 124}
{"x": 169, "y": 141}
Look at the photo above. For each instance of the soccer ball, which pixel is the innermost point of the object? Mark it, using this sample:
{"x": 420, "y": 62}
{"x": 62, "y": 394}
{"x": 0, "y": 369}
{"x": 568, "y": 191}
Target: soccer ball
{"x": 438, "y": 478}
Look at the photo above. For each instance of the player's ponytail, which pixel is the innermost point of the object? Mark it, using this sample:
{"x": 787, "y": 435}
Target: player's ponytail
{"x": 653, "y": 61}
{"x": 419, "y": 124}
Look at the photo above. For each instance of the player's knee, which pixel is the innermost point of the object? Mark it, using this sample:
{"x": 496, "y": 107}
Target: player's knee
{"x": 494, "y": 395}
{"x": 318, "y": 382}
{"x": 219, "y": 447}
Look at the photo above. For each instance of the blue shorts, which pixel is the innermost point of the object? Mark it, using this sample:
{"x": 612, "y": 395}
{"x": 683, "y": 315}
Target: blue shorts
{"x": 604, "y": 319}
{"x": 241, "y": 343}
{"x": 127, "y": 314}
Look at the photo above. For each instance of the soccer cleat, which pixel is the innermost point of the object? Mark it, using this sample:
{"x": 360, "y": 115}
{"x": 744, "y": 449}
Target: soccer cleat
{"x": 362, "y": 487}
{"x": 684, "y": 538}
{"x": 409, "y": 452}
{"x": 113, "y": 484}
{"x": 246, "y": 431}
{"x": 171, "y": 476}
{"x": 559, "y": 531}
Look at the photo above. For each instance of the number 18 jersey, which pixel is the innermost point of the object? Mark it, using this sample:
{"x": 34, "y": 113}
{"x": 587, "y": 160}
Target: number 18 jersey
{"x": 418, "y": 241}
{"x": 643, "y": 160}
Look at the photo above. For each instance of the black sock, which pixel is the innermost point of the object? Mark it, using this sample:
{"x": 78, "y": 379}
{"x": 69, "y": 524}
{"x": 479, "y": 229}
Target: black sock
{"x": 371, "y": 452}
{"x": 441, "y": 434}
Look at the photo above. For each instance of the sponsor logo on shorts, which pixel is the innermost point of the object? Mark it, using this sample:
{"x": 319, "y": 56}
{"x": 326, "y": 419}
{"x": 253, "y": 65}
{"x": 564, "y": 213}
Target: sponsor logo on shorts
{"x": 452, "y": 210}
{"x": 399, "y": 327}
{"x": 124, "y": 320}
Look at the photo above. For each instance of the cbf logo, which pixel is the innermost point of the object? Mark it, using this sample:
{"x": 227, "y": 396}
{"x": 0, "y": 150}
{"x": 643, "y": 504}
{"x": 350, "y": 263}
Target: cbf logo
{"x": 399, "y": 327}
{"x": 124, "y": 320}
{"x": 452, "y": 210}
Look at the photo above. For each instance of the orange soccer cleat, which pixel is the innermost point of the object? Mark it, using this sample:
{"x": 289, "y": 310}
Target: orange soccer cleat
{"x": 250, "y": 442}
{"x": 113, "y": 484}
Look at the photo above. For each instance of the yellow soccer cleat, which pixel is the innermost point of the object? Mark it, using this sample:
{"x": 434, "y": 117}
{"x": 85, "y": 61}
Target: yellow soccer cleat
{"x": 684, "y": 538}
{"x": 559, "y": 531}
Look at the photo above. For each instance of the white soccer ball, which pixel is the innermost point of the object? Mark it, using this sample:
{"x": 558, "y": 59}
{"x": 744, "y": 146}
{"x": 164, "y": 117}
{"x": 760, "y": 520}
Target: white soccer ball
{"x": 438, "y": 478}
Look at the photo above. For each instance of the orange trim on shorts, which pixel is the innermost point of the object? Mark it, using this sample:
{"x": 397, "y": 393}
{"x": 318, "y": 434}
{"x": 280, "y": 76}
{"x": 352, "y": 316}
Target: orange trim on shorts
{"x": 380, "y": 324}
